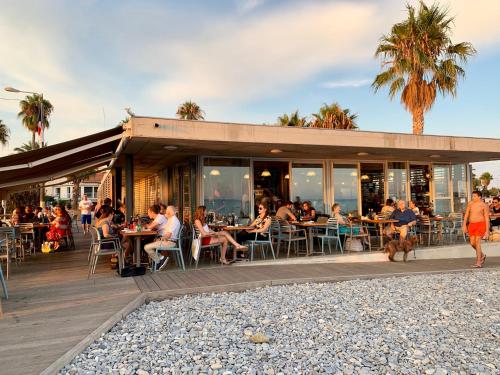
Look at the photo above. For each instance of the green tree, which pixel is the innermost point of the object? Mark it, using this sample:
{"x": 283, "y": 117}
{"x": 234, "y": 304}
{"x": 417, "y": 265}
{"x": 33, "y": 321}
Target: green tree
{"x": 419, "y": 59}
{"x": 30, "y": 146}
{"x": 4, "y": 133}
{"x": 77, "y": 179}
{"x": 293, "y": 120}
{"x": 30, "y": 113}
{"x": 334, "y": 117}
{"x": 486, "y": 179}
{"x": 190, "y": 111}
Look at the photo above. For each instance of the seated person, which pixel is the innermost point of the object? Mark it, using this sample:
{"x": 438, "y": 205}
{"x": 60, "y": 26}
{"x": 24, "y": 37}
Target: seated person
{"x": 168, "y": 227}
{"x": 29, "y": 215}
{"x": 285, "y": 212}
{"x": 100, "y": 206}
{"x": 39, "y": 214}
{"x": 388, "y": 208}
{"x": 495, "y": 212}
{"x": 260, "y": 226}
{"x": 163, "y": 209}
{"x": 211, "y": 237}
{"x": 48, "y": 216}
{"x": 344, "y": 222}
{"x": 308, "y": 212}
{"x": 58, "y": 228}
{"x": 104, "y": 225}
{"x": 406, "y": 219}
{"x": 16, "y": 217}
{"x": 414, "y": 208}
{"x": 119, "y": 219}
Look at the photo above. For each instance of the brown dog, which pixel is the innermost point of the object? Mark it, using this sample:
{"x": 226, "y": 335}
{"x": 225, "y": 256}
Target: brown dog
{"x": 392, "y": 247}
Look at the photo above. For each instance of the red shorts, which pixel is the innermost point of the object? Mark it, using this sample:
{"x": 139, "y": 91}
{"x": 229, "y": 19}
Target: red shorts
{"x": 205, "y": 241}
{"x": 477, "y": 229}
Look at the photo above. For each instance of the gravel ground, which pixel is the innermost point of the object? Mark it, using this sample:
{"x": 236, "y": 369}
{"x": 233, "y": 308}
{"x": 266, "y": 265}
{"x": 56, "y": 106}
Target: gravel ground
{"x": 429, "y": 324}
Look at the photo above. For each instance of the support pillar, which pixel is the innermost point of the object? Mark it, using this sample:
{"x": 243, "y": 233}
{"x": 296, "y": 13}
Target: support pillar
{"x": 129, "y": 184}
{"x": 117, "y": 186}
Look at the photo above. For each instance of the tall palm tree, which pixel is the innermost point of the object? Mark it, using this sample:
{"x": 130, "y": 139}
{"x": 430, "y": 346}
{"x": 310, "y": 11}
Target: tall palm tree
{"x": 4, "y": 133}
{"x": 30, "y": 146}
{"x": 190, "y": 111}
{"x": 419, "y": 59}
{"x": 293, "y": 120}
{"x": 334, "y": 117}
{"x": 486, "y": 179}
{"x": 30, "y": 113}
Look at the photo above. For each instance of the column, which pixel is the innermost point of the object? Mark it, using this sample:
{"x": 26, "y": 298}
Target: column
{"x": 129, "y": 184}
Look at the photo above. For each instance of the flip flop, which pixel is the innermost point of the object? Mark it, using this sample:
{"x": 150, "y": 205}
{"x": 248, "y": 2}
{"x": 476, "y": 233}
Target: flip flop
{"x": 476, "y": 266}
{"x": 483, "y": 259}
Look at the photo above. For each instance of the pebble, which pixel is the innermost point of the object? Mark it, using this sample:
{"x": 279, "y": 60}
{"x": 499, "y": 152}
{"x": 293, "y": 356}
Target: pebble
{"x": 426, "y": 324}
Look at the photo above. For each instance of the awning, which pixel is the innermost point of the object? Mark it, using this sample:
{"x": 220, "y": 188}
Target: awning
{"x": 59, "y": 160}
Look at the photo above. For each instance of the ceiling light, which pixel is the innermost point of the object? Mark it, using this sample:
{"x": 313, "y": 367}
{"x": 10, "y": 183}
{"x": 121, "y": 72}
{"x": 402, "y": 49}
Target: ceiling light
{"x": 287, "y": 176}
{"x": 170, "y": 147}
{"x": 214, "y": 172}
{"x": 246, "y": 176}
{"x": 362, "y": 153}
{"x": 308, "y": 180}
{"x": 311, "y": 174}
{"x": 435, "y": 156}
{"x": 276, "y": 151}
{"x": 265, "y": 173}
{"x": 354, "y": 174}
{"x": 365, "y": 177}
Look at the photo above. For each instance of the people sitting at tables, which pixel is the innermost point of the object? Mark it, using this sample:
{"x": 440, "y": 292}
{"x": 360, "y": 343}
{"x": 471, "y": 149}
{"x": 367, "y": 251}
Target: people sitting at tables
{"x": 344, "y": 222}
{"x": 495, "y": 212}
{"x": 211, "y": 237}
{"x": 406, "y": 219}
{"x": 119, "y": 219}
{"x": 100, "y": 206}
{"x": 285, "y": 212}
{"x": 29, "y": 214}
{"x": 388, "y": 208}
{"x": 17, "y": 217}
{"x": 163, "y": 208}
{"x": 48, "y": 215}
{"x": 414, "y": 208}
{"x": 308, "y": 212}
{"x": 168, "y": 227}
{"x": 104, "y": 225}
{"x": 39, "y": 214}
{"x": 58, "y": 227}
{"x": 260, "y": 226}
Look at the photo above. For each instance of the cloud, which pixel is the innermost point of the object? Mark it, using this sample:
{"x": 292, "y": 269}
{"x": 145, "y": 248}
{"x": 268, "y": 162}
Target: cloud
{"x": 249, "y": 5}
{"x": 347, "y": 83}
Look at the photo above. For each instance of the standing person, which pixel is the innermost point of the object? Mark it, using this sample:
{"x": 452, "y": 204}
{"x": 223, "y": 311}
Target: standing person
{"x": 85, "y": 207}
{"x": 168, "y": 236}
{"x": 477, "y": 214}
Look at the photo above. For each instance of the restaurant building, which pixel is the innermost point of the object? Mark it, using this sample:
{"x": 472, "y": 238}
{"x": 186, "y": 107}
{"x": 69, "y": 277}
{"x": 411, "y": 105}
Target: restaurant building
{"x": 231, "y": 167}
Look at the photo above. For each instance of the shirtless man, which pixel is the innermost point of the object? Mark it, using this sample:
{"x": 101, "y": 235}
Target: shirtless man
{"x": 478, "y": 216}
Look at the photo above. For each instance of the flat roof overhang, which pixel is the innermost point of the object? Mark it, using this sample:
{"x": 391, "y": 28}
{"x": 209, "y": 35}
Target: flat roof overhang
{"x": 149, "y": 136}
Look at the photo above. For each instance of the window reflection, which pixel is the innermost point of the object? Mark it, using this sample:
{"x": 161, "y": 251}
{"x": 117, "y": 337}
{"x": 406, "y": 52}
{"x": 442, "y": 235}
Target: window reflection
{"x": 396, "y": 180}
{"x": 442, "y": 189}
{"x": 372, "y": 187}
{"x": 345, "y": 184}
{"x": 420, "y": 187}
{"x": 226, "y": 186}
{"x": 459, "y": 181}
{"x": 307, "y": 184}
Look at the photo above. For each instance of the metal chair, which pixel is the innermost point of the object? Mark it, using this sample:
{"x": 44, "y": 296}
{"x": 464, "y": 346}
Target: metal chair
{"x": 9, "y": 245}
{"x": 425, "y": 227}
{"x": 74, "y": 223}
{"x": 288, "y": 233}
{"x": 27, "y": 238}
{"x": 262, "y": 244}
{"x": 198, "y": 237}
{"x": 177, "y": 250}
{"x": 2, "y": 280}
{"x": 361, "y": 233}
{"x": 331, "y": 233}
{"x": 97, "y": 250}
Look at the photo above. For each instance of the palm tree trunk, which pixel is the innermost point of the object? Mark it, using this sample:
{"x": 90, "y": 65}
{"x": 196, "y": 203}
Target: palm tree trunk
{"x": 32, "y": 140}
{"x": 76, "y": 193}
{"x": 418, "y": 121}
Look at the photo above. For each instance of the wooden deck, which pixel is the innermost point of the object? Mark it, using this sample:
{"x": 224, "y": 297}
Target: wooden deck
{"x": 53, "y": 306}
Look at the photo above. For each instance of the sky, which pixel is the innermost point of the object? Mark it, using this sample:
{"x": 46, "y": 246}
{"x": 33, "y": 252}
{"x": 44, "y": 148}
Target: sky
{"x": 245, "y": 61}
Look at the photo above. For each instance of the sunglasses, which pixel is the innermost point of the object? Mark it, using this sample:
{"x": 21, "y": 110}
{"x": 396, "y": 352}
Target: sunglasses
{"x": 261, "y": 208}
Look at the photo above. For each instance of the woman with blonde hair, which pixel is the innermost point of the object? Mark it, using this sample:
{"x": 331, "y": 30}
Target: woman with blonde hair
{"x": 211, "y": 237}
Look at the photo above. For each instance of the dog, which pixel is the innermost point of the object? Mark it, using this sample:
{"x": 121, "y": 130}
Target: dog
{"x": 393, "y": 246}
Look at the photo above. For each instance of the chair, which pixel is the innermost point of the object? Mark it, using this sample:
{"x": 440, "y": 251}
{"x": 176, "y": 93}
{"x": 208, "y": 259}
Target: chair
{"x": 27, "y": 237}
{"x": 458, "y": 219}
{"x": 331, "y": 233}
{"x": 97, "y": 250}
{"x": 262, "y": 244}
{"x": 9, "y": 244}
{"x": 74, "y": 223}
{"x": 362, "y": 233}
{"x": 288, "y": 233}
{"x": 2, "y": 280}
{"x": 177, "y": 250}
{"x": 198, "y": 237}
{"x": 425, "y": 227}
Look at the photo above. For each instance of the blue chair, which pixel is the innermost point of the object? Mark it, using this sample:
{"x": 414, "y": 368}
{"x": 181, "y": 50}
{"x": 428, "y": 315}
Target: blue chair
{"x": 2, "y": 280}
{"x": 177, "y": 250}
{"x": 331, "y": 233}
{"x": 197, "y": 237}
{"x": 262, "y": 243}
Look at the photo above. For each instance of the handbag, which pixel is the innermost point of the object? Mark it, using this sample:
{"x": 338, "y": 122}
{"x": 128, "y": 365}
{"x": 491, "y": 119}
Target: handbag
{"x": 195, "y": 248}
{"x": 353, "y": 244}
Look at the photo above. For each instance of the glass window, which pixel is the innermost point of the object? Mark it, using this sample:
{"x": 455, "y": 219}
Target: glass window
{"x": 68, "y": 191}
{"x": 307, "y": 184}
{"x": 459, "y": 182}
{"x": 58, "y": 192}
{"x": 420, "y": 187}
{"x": 442, "y": 189}
{"x": 345, "y": 186}
{"x": 396, "y": 180}
{"x": 89, "y": 191}
{"x": 226, "y": 186}
{"x": 372, "y": 187}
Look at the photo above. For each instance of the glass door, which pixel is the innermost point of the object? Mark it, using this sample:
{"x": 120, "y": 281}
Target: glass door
{"x": 271, "y": 183}
{"x": 420, "y": 187}
{"x": 372, "y": 187}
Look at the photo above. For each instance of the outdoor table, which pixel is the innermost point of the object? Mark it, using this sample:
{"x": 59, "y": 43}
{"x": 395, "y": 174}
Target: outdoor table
{"x": 309, "y": 225}
{"x": 137, "y": 237}
{"x": 380, "y": 223}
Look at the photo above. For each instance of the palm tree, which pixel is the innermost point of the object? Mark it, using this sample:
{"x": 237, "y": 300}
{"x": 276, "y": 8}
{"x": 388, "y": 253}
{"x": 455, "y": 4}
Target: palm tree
{"x": 293, "y": 120}
{"x": 30, "y": 146}
{"x": 334, "y": 117}
{"x": 30, "y": 113}
{"x": 77, "y": 179}
{"x": 419, "y": 59}
{"x": 4, "y": 133}
{"x": 486, "y": 179}
{"x": 190, "y": 111}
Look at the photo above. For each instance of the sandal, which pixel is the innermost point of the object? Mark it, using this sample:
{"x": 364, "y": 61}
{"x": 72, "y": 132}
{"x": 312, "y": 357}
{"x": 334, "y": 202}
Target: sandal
{"x": 477, "y": 266}
{"x": 483, "y": 259}
{"x": 224, "y": 261}
{"x": 242, "y": 248}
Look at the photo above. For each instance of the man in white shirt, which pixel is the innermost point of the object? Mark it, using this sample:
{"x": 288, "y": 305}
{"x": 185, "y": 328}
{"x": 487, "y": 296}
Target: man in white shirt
{"x": 168, "y": 227}
{"x": 85, "y": 207}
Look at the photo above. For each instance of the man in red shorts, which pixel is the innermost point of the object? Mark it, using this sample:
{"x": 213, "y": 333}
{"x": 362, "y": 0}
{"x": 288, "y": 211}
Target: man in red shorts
{"x": 477, "y": 214}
